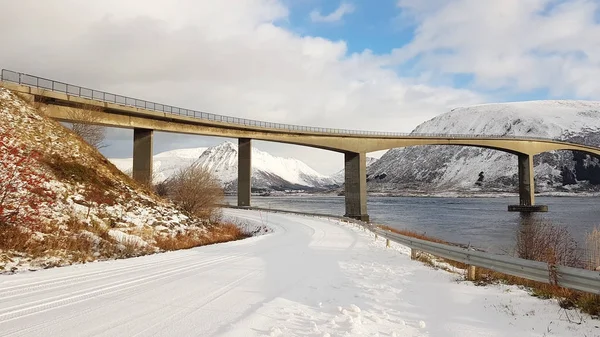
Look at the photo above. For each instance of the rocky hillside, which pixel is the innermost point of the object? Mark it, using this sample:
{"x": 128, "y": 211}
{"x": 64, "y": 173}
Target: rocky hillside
{"x": 62, "y": 202}
{"x": 434, "y": 169}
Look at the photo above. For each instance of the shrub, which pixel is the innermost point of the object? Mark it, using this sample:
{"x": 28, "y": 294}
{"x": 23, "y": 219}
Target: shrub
{"x": 196, "y": 191}
{"x": 90, "y": 132}
{"x": 593, "y": 249}
{"x": 539, "y": 240}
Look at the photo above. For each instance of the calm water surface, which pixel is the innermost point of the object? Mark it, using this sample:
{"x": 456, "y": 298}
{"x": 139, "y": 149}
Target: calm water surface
{"x": 482, "y": 222}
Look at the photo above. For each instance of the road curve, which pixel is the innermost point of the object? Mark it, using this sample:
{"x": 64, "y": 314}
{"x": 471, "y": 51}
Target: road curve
{"x": 200, "y": 291}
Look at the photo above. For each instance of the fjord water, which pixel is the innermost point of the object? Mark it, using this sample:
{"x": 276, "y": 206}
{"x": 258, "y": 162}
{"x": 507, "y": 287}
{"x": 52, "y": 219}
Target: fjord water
{"x": 482, "y": 222}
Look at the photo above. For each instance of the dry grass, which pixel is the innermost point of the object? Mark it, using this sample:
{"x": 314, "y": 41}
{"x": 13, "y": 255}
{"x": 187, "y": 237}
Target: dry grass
{"x": 194, "y": 238}
{"x": 413, "y": 234}
{"x": 71, "y": 241}
{"x": 14, "y": 238}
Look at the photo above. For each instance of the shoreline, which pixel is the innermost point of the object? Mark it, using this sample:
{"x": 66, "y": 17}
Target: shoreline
{"x": 434, "y": 195}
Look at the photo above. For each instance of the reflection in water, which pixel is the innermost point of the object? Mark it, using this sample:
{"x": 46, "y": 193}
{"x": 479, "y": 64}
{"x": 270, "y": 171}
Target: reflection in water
{"x": 481, "y": 222}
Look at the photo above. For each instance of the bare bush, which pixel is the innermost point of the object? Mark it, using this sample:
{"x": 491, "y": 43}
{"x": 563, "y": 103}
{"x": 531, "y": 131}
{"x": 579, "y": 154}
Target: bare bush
{"x": 195, "y": 190}
{"x": 92, "y": 133}
{"x": 539, "y": 240}
{"x": 593, "y": 249}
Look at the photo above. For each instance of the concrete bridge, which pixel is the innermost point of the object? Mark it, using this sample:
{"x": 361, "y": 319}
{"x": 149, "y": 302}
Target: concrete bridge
{"x": 70, "y": 103}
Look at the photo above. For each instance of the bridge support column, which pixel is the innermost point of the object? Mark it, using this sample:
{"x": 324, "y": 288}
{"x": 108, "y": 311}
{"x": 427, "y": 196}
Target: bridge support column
{"x": 526, "y": 187}
{"x": 244, "y": 171}
{"x": 142, "y": 155}
{"x": 356, "y": 185}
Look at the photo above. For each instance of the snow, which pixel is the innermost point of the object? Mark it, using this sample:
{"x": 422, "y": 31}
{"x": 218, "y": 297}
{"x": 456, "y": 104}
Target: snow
{"x": 452, "y": 168}
{"x": 165, "y": 164}
{"x": 340, "y": 175}
{"x": 309, "y": 277}
{"x": 267, "y": 170}
{"x": 222, "y": 160}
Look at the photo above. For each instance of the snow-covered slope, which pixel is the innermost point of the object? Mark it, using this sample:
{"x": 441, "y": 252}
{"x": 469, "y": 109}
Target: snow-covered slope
{"x": 165, "y": 163}
{"x": 268, "y": 172}
{"x": 447, "y": 168}
{"x": 340, "y": 175}
{"x": 62, "y": 202}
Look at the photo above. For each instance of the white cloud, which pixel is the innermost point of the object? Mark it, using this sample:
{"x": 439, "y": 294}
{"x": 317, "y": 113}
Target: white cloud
{"x": 520, "y": 45}
{"x": 337, "y": 15}
{"x": 225, "y": 57}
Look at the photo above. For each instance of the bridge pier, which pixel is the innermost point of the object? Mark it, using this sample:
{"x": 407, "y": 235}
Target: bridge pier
{"x": 355, "y": 186}
{"x": 526, "y": 187}
{"x": 244, "y": 171}
{"x": 142, "y": 155}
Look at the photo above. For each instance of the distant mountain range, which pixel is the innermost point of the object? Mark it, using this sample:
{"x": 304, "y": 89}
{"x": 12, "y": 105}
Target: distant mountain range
{"x": 268, "y": 172}
{"x": 437, "y": 168}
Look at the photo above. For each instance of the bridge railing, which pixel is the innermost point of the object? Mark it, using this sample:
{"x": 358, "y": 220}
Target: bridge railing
{"x": 97, "y": 95}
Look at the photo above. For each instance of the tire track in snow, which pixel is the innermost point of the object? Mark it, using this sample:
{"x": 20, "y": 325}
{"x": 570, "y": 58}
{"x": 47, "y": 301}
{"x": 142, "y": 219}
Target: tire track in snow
{"x": 127, "y": 319}
{"x": 27, "y": 309}
{"x": 83, "y": 273}
{"x": 75, "y": 280}
{"x": 211, "y": 297}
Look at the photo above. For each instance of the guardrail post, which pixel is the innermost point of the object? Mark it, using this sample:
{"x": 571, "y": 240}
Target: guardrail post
{"x": 387, "y": 243}
{"x": 414, "y": 254}
{"x": 471, "y": 272}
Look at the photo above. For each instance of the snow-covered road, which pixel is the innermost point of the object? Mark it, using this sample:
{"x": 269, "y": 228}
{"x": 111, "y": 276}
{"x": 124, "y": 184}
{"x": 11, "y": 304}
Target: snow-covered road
{"x": 310, "y": 277}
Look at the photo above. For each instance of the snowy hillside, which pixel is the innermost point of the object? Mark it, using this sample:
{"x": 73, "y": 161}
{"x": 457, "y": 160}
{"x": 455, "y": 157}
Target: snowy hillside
{"x": 340, "y": 175}
{"x": 62, "y": 202}
{"x": 453, "y": 168}
{"x": 268, "y": 172}
{"x": 165, "y": 163}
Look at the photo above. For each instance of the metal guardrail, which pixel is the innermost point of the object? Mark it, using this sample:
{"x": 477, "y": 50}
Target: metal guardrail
{"x": 83, "y": 92}
{"x": 567, "y": 277}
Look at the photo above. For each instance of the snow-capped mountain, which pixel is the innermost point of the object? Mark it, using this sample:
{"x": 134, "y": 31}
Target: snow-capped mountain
{"x": 339, "y": 176}
{"x": 268, "y": 172}
{"x": 456, "y": 168}
{"x": 165, "y": 163}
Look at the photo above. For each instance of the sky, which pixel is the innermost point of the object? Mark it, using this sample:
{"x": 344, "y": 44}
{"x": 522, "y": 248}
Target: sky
{"x": 382, "y": 65}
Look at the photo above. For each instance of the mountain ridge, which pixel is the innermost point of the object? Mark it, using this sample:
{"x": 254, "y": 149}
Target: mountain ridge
{"x": 437, "y": 168}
